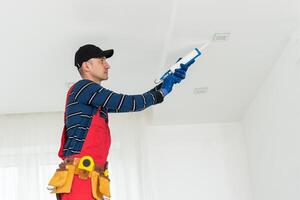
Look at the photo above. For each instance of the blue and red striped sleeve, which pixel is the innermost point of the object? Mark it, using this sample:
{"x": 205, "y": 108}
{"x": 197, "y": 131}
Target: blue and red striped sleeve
{"x": 93, "y": 94}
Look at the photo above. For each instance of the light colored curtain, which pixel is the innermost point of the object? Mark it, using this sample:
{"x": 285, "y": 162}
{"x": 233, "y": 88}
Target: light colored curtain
{"x": 28, "y": 155}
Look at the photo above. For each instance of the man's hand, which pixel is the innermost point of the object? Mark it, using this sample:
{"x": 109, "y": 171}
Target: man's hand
{"x": 174, "y": 78}
{"x": 186, "y": 66}
{"x": 168, "y": 83}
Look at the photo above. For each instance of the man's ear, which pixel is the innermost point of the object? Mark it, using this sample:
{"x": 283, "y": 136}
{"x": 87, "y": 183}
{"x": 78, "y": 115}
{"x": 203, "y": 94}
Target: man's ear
{"x": 86, "y": 66}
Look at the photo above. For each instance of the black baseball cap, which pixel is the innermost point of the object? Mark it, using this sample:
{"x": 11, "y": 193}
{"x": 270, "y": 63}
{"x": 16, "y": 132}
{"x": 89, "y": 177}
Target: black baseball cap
{"x": 89, "y": 51}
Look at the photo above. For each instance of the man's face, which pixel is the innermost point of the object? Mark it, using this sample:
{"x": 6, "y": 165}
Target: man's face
{"x": 99, "y": 68}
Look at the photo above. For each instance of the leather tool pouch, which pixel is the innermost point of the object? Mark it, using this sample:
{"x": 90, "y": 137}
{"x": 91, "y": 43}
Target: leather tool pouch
{"x": 104, "y": 187}
{"x": 95, "y": 185}
{"x": 62, "y": 179}
{"x": 100, "y": 186}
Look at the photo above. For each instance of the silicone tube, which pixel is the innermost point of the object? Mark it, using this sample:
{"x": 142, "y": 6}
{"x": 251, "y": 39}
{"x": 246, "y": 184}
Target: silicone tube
{"x": 189, "y": 57}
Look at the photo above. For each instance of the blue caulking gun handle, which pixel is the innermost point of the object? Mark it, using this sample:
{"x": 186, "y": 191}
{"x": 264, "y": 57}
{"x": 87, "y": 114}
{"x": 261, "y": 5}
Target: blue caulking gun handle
{"x": 189, "y": 57}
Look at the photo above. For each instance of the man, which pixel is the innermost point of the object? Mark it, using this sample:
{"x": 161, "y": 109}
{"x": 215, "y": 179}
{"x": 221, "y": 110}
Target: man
{"x": 86, "y": 137}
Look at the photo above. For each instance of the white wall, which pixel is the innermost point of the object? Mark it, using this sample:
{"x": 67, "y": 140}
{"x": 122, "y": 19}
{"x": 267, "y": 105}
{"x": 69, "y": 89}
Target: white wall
{"x": 271, "y": 125}
{"x": 205, "y": 161}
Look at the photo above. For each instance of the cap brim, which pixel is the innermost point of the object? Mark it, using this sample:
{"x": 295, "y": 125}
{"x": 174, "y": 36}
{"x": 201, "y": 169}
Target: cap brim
{"x": 108, "y": 53}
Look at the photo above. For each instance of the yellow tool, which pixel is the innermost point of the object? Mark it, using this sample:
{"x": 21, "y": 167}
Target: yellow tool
{"x": 86, "y": 163}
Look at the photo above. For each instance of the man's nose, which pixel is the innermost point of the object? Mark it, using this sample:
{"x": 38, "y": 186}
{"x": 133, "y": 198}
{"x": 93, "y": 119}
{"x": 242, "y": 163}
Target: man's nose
{"x": 107, "y": 66}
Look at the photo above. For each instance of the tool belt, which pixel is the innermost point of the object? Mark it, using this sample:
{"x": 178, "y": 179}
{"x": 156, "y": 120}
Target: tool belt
{"x": 61, "y": 181}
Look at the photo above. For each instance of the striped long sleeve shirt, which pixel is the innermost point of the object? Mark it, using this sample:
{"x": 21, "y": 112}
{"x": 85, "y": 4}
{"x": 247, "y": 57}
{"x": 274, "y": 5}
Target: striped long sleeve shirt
{"x": 92, "y": 94}
{"x": 87, "y": 97}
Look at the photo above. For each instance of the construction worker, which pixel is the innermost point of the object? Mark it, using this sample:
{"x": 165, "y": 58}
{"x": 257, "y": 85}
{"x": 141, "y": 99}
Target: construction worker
{"x": 86, "y": 139}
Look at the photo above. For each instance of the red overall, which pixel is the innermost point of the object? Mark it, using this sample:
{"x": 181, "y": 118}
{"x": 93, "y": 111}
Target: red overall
{"x": 96, "y": 145}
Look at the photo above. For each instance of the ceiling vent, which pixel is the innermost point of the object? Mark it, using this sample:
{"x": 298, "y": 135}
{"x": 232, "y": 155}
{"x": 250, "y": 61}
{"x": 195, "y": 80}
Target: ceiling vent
{"x": 221, "y": 37}
{"x": 200, "y": 90}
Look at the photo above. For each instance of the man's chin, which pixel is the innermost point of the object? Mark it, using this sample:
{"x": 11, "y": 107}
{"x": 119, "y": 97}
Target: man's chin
{"x": 104, "y": 78}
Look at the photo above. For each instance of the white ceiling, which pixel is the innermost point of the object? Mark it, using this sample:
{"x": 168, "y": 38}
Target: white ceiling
{"x": 39, "y": 38}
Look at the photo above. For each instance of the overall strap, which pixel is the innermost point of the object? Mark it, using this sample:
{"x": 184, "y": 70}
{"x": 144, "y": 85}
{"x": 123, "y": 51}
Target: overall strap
{"x": 63, "y": 135}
